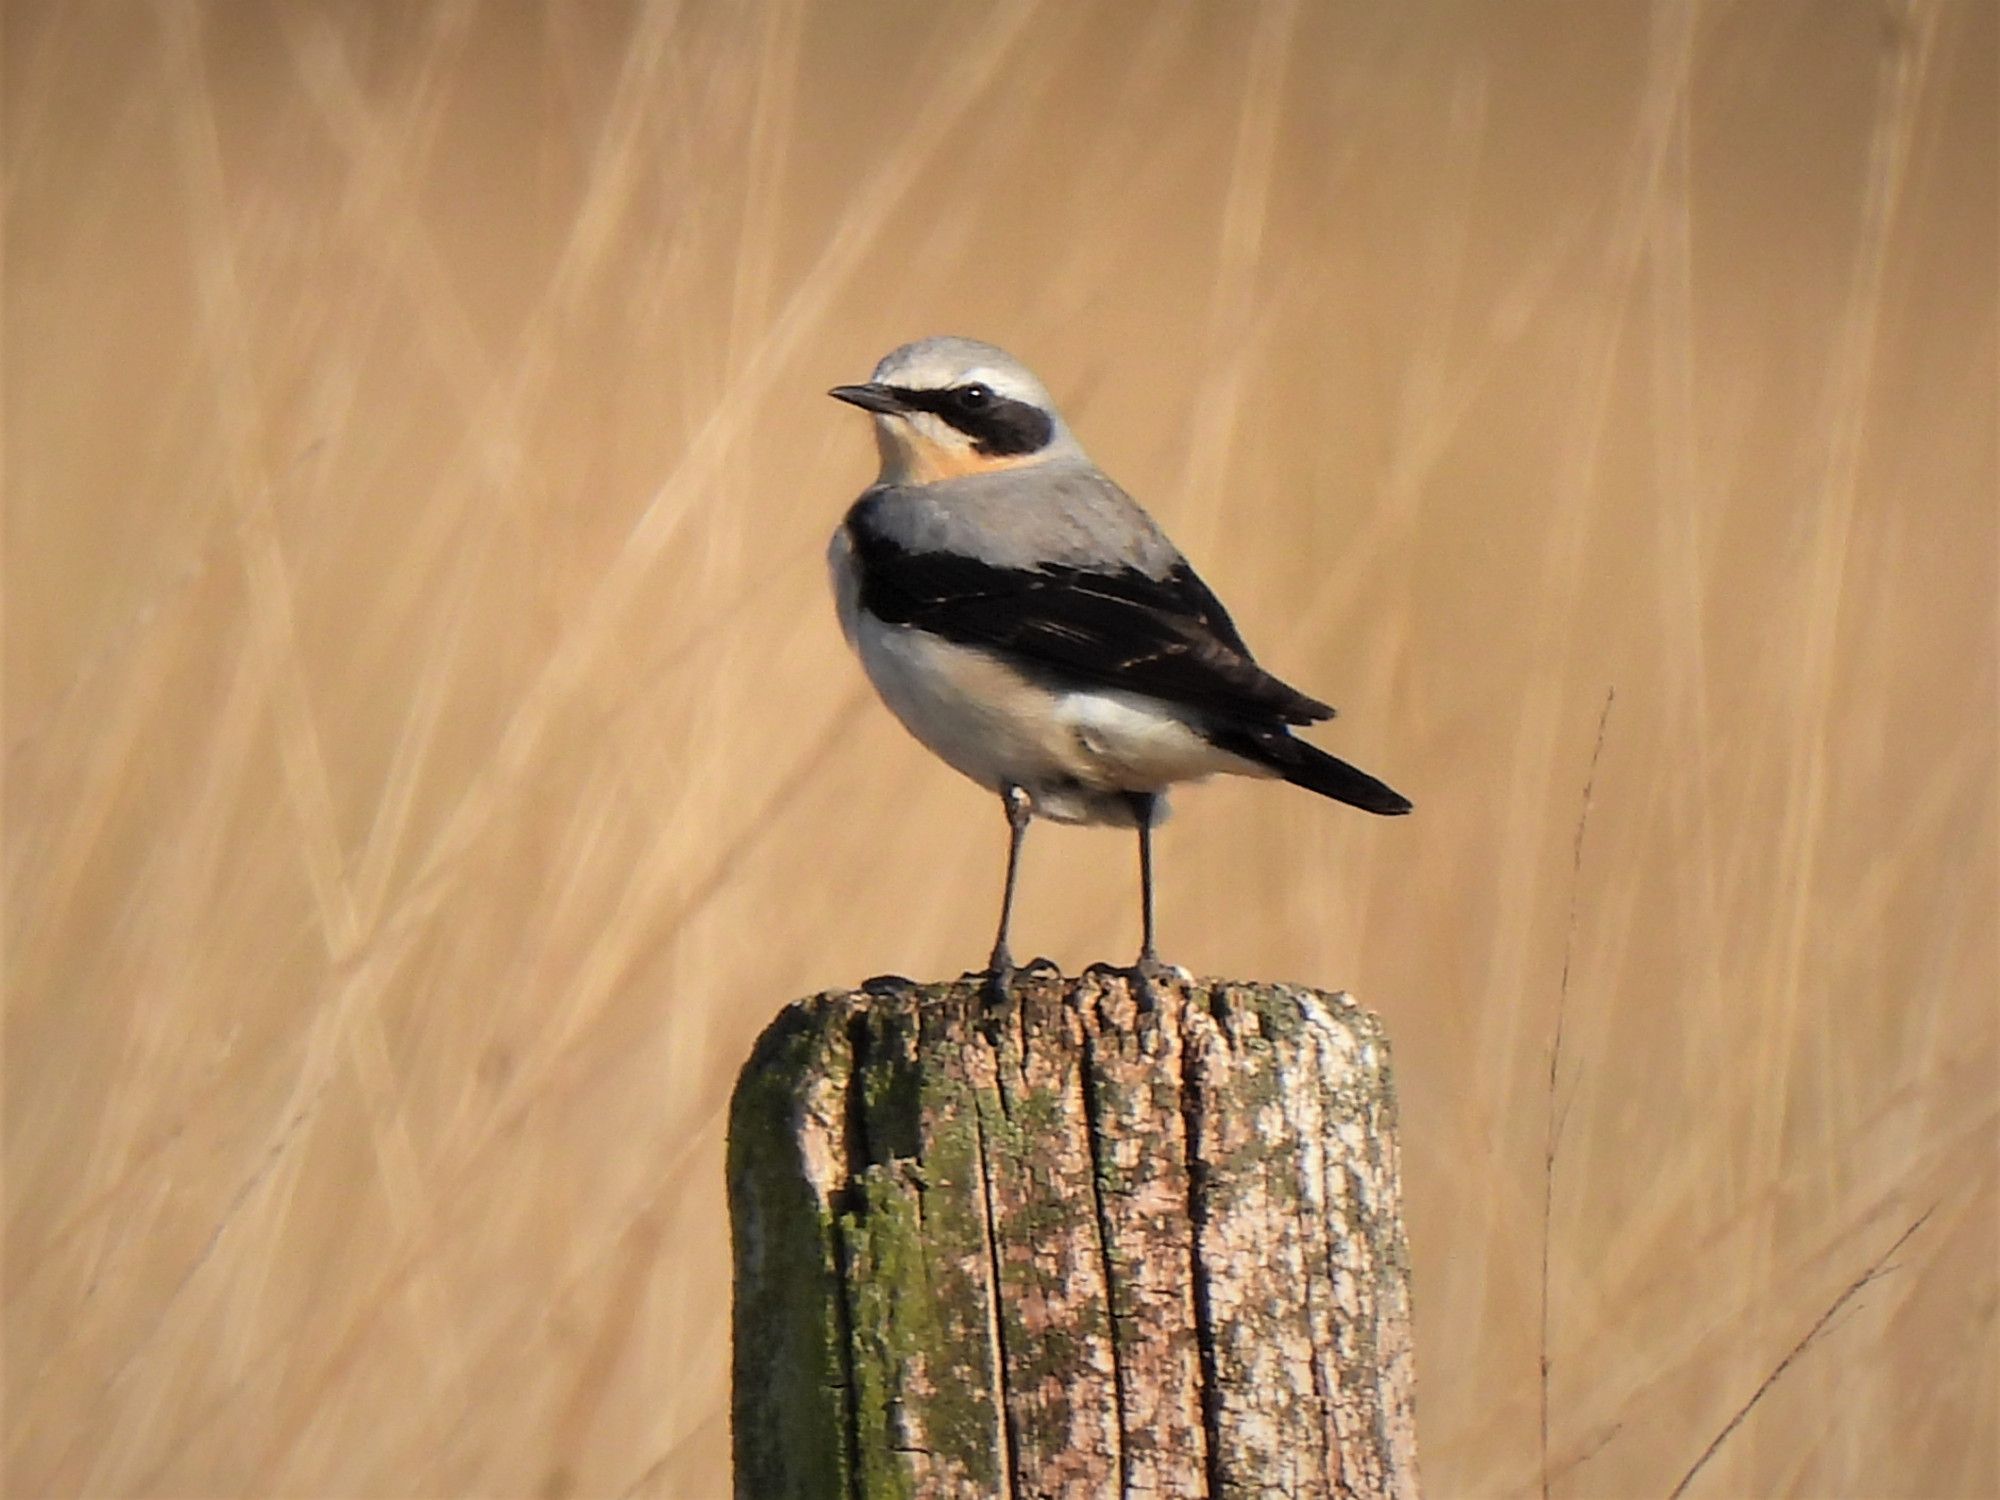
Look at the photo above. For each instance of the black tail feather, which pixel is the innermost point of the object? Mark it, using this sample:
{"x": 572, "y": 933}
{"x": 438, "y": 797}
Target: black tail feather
{"x": 1312, "y": 768}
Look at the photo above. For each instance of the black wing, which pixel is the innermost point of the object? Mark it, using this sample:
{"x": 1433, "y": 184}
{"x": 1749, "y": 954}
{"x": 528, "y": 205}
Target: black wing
{"x": 1167, "y": 637}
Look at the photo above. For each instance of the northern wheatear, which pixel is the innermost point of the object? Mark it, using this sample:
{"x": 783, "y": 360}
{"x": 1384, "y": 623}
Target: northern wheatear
{"x": 1030, "y": 624}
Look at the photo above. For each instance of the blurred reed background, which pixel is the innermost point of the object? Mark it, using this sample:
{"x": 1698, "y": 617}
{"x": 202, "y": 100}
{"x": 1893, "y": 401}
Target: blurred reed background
{"x": 431, "y": 757}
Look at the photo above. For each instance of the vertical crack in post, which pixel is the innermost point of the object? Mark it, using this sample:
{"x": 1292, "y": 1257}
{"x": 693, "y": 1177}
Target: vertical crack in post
{"x": 851, "y": 1200}
{"x": 844, "y": 1318}
{"x": 1325, "y": 1397}
{"x": 1366, "y": 1395}
{"x": 1004, "y": 1445}
{"x": 1376, "y": 1204}
{"x": 1087, "y": 1082}
{"x": 1204, "y": 1317}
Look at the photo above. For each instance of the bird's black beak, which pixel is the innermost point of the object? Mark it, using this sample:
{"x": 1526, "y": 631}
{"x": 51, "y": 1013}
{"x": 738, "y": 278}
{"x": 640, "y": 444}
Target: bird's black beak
{"x": 869, "y": 397}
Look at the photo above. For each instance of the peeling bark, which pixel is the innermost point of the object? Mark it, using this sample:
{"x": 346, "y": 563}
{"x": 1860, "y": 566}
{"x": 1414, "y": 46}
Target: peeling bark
{"x": 1072, "y": 1245}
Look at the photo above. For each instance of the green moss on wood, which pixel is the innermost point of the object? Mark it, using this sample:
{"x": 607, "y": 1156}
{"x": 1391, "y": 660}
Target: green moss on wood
{"x": 789, "y": 1355}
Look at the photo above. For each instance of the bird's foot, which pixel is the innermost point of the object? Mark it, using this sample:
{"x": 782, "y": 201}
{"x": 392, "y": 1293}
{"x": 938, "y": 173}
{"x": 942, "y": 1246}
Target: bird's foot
{"x": 1000, "y": 972}
{"x": 1152, "y": 974}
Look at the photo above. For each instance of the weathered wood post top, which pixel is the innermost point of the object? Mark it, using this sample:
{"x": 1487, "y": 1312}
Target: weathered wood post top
{"x": 1088, "y": 1241}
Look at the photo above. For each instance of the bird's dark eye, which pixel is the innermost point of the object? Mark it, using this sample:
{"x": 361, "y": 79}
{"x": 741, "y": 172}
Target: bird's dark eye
{"x": 973, "y": 397}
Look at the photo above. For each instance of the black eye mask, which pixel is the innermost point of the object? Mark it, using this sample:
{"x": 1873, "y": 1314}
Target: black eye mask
{"x": 998, "y": 426}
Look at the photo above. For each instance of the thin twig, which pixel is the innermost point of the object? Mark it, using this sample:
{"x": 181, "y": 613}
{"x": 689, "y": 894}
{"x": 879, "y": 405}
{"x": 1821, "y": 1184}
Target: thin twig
{"x": 1554, "y": 1131}
{"x": 1879, "y": 1267}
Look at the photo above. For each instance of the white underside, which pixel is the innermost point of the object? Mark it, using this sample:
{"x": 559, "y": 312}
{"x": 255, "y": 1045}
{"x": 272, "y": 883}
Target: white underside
{"x": 1075, "y": 751}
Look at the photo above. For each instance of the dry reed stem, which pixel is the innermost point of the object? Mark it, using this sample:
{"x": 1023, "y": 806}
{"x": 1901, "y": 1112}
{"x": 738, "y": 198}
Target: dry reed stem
{"x": 1556, "y": 1112}
{"x": 1877, "y": 1269}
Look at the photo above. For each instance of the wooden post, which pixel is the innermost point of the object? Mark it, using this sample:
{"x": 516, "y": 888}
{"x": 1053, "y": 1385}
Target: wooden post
{"x": 1072, "y": 1245}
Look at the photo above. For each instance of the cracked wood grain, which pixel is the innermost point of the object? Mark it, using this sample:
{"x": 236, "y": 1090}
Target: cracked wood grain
{"x": 1072, "y": 1245}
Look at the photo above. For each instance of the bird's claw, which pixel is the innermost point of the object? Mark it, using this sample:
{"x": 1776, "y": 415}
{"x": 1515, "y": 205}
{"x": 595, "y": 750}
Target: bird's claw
{"x": 1151, "y": 976}
{"x": 999, "y": 978}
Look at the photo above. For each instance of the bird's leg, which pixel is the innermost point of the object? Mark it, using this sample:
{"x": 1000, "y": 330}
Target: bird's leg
{"x": 1000, "y": 970}
{"x": 1149, "y": 969}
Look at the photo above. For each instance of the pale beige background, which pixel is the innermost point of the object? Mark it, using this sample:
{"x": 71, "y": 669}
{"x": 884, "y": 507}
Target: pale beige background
{"x": 431, "y": 757}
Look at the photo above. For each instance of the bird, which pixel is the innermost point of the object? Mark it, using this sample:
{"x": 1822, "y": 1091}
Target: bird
{"x": 1034, "y": 628}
